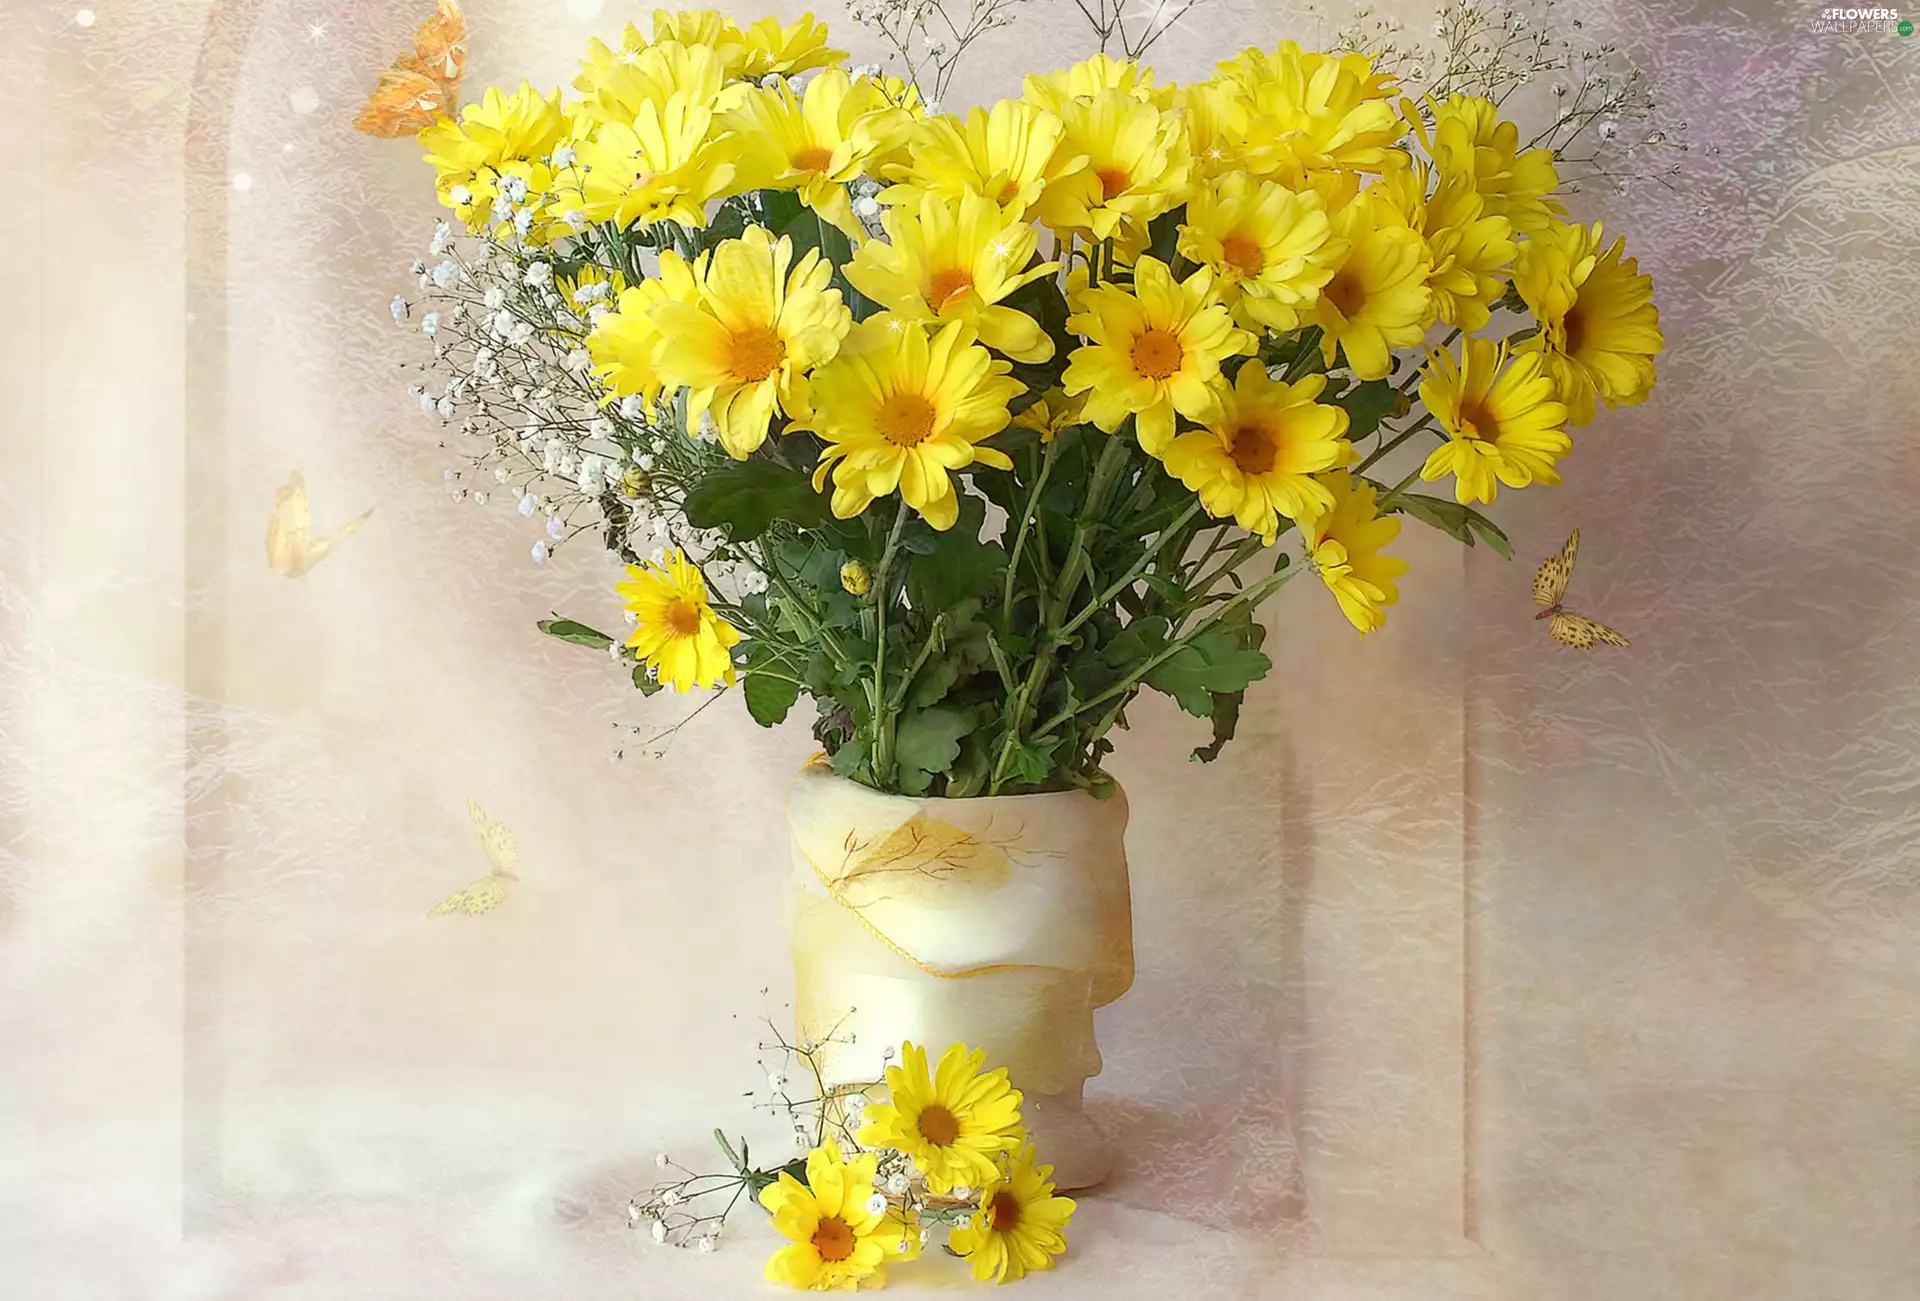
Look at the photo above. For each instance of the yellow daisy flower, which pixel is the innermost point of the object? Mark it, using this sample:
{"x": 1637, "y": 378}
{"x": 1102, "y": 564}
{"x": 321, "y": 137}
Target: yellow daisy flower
{"x": 1502, "y": 417}
{"x": 1469, "y": 140}
{"x": 1136, "y": 166}
{"x": 502, "y": 135}
{"x": 1270, "y": 249}
{"x": 654, "y": 74}
{"x": 939, "y": 263}
{"x": 756, "y": 329}
{"x": 694, "y": 27}
{"x": 1470, "y": 248}
{"x": 1378, "y": 299}
{"x": 951, "y": 1123}
{"x": 1263, "y": 443}
{"x": 767, "y": 47}
{"x": 1343, "y": 545}
{"x": 624, "y": 341}
{"x": 1053, "y": 91}
{"x": 1217, "y": 115}
{"x": 1599, "y": 328}
{"x": 1020, "y": 1226}
{"x": 1309, "y": 112}
{"x": 899, "y": 409}
{"x": 815, "y": 142}
{"x": 1153, "y": 350}
{"x": 1008, "y": 153}
{"x": 1052, "y": 412}
{"x": 664, "y": 165}
{"x": 677, "y": 631}
{"x": 839, "y": 1241}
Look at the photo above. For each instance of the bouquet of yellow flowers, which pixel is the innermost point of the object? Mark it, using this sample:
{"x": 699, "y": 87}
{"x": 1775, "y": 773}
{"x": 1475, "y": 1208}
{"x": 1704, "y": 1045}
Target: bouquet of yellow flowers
{"x": 970, "y": 428}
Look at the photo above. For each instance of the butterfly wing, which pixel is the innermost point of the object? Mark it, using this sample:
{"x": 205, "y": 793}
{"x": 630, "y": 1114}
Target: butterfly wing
{"x": 1582, "y": 633}
{"x": 405, "y": 103}
{"x": 503, "y": 851}
{"x": 440, "y": 49}
{"x": 287, "y": 530}
{"x": 482, "y": 896}
{"x": 1555, "y": 572}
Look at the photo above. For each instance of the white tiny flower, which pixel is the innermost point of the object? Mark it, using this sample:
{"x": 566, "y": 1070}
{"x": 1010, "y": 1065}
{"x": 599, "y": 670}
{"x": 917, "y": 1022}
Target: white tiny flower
{"x": 538, "y": 273}
{"x": 644, "y": 460}
{"x": 925, "y": 1234}
{"x": 495, "y": 298}
{"x": 964, "y": 1222}
{"x": 613, "y": 649}
{"x": 555, "y": 527}
{"x": 877, "y": 1204}
{"x": 897, "y": 1184}
{"x": 777, "y": 1081}
{"x": 631, "y": 407}
{"x": 670, "y": 1198}
{"x": 1608, "y": 130}
{"x": 633, "y": 1213}
{"x": 448, "y": 476}
{"x": 664, "y": 1161}
{"x": 770, "y": 82}
{"x": 430, "y": 324}
{"x": 514, "y": 187}
{"x": 962, "y": 1192}
{"x": 540, "y": 553}
{"x": 502, "y": 323}
{"x": 563, "y": 156}
{"x": 447, "y": 408}
{"x": 802, "y": 1140}
{"x": 426, "y": 402}
{"x": 661, "y": 528}
{"x": 460, "y": 195}
{"x": 479, "y": 498}
{"x": 442, "y": 238}
{"x": 399, "y": 309}
{"x": 577, "y": 361}
{"x": 933, "y": 108}
{"x": 521, "y": 332}
{"x": 601, "y": 428}
{"x": 706, "y": 1244}
{"x": 865, "y": 69}
{"x": 589, "y": 478}
{"x": 659, "y": 557}
{"x": 659, "y": 1231}
{"x": 418, "y": 268}
{"x": 633, "y": 621}
{"x": 867, "y": 206}
{"x": 499, "y": 474}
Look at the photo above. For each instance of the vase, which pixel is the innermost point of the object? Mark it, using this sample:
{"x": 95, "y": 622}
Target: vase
{"x": 1000, "y": 922}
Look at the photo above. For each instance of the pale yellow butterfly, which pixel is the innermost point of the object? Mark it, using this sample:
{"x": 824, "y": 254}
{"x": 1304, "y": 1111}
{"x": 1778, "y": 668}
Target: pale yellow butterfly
{"x": 1550, "y": 586}
{"x": 290, "y": 550}
{"x": 490, "y": 891}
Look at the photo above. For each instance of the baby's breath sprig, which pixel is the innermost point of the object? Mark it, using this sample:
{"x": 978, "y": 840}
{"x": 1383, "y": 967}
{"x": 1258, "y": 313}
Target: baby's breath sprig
{"x": 930, "y": 37}
{"x": 1151, "y": 19}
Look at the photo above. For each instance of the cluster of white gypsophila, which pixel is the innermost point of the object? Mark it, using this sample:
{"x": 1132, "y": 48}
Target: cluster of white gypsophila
{"x": 927, "y": 38}
{"x": 1601, "y": 119}
{"x": 508, "y": 318}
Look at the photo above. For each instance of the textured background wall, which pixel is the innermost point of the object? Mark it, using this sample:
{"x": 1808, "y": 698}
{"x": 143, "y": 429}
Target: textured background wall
{"x": 1606, "y": 963}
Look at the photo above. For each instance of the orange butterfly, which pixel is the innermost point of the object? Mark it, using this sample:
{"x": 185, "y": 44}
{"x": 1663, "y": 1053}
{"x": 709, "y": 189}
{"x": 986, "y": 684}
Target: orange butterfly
{"x": 1550, "y": 585}
{"x": 424, "y": 86}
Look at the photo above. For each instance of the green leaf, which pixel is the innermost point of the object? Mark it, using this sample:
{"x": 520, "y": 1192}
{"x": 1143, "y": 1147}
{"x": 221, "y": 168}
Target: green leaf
{"x": 1163, "y": 234}
{"x": 1367, "y": 404}
{"x": 932, "y": 683}
{"x": 769, "y": 696}
{"x": 648, "y": 684}
{"x": 1140, "y": 640}
{"x": 956, "y": 564}
{"x": 733, "y": 1158}
{"x": 850, "y": 758}
{"x": 1033, "y": 761}
{"x": 746, "y": 497}
{"x": 1214, "y": 663}
{"x": 577, "y": 633}
{"x": 1226, "y": 718}
{"x": 1463, "y": 522}
{"x": 927, "y": 741}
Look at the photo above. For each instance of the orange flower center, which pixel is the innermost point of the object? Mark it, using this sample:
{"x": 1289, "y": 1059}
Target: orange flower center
{"x": 1254, "y": 449}
{"x": 938, "y": 1125}
{"x": 683, "y": 617}
{"x": 1009, "y": 190}
{"x": 1157, "y": 354}
{"x": 948, "y": 285}
{"x": 833, "y": 1239}
{"x": 814, "y": 158}
{"x": 1113, "y": 181}
{"x": 1243, "y": 255}
{"x": 905, "y": 419}
{"x": 1346, "y": 293}
{"x": 755, "y": 353}
{"x": 1004, "y": 1210}
{"x": 1476, "y": 421}
{"x": 1574, "y": 328}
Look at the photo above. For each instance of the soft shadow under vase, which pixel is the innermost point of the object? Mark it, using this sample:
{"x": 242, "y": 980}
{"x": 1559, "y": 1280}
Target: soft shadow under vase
{"x": 1000, "y": 922}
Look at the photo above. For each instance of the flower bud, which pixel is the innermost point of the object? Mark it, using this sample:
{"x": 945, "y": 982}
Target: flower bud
{"x": 856, "y": 578}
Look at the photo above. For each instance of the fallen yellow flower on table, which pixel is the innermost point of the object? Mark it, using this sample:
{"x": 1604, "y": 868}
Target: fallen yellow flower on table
{"x": 840, "y": 1241}
{"x": 1020, "y": 1226}
{"x": 953, "y": 1122}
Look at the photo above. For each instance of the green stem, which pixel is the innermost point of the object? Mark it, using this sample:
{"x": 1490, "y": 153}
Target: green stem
{"x": 1112, "y": 457}
{"x": 1132, "y": 576}
{"x": 883, "y": 718}
{"x": 803, "y": 608}
{"x": 1395, "y": 441}
{"x": 1380, "y": 507}
{"x": 926, "y": 649}
{"x": 1047, "y": 459}
{"x": 1240, "y": 554}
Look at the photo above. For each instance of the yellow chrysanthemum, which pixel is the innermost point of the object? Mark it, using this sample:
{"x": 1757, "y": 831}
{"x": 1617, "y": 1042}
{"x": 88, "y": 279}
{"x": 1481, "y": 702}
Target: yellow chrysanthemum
{"x": 1470, "y": 248}
{"x": 1469, "y": 140}
{"x": 1136, "y": 166}
{"x": 1008, "y": 153}
{"x": 1153, "y": 350}
{"x": 1270, "y": 249}
{"x": 840, "y": 1242}
{"x": 1050, "y": 413}
{"x": 1054, "y": 90}
{"x": 757, "y": 327}
{"x": 677, "y": 631}
{"x": 664, "y": 165}
{"x": 952, "y": 1123}
{"x": 624, "y": 342}
{"x": 766, "y": 47}
{"x": 1020, "y": 1226}
{"x": 1599, "y": 328}
{"x": 939, "y": 263}
{"x": 1310, "y": 112}
{"x": 1343, "y": 545}
{"x": 899, "y": 409}
{"x": 654, "y": 74}
{"x": 816, "y": 141}
{"x": 1217, "y": 115}
{"x": 501, "y": 136}
{"x": 1502, "y": 418}
{"x": 1263, "y": 443}
{"x": 1378, "y": 299}
{"x": 694, "y": 27}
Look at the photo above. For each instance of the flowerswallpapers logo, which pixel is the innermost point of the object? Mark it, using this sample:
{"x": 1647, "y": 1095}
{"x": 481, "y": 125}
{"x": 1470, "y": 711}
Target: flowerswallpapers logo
{"x": 1850, "y": 19}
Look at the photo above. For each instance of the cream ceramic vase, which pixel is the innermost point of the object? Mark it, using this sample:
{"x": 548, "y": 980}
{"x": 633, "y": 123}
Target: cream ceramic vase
{"x": 1000, "y": 922}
